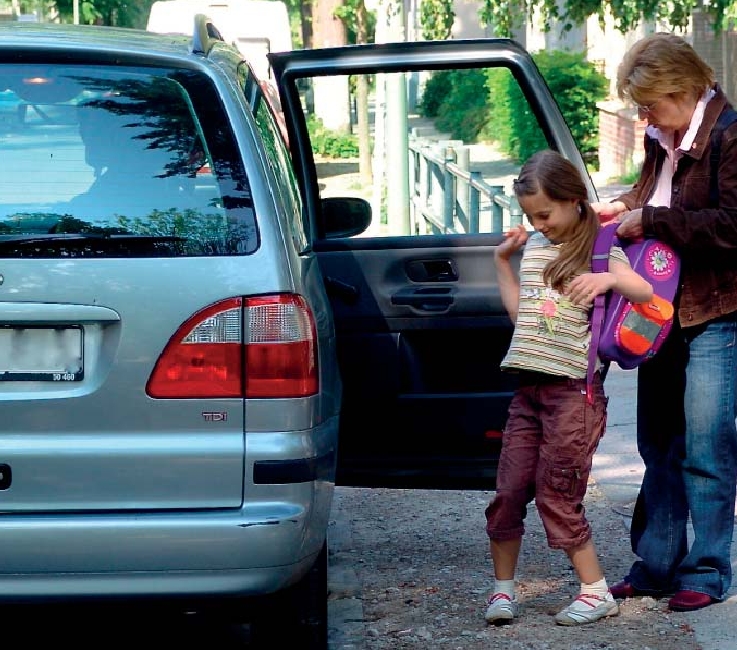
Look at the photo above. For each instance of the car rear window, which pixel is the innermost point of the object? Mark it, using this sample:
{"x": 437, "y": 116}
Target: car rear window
{"x": 102, "y": 161}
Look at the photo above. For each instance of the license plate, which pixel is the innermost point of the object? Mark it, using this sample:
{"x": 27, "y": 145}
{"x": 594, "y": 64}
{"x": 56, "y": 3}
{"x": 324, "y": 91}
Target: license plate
{"x": 41, "y": 354}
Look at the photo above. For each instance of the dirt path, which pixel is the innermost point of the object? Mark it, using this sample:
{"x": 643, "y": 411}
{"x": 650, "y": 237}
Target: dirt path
{"x": 421, "y": 562}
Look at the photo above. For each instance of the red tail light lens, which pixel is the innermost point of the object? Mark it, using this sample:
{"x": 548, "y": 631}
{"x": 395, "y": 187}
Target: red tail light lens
{"x": 281, "y": 354}
{"x": 253, "y": 347}
{"x": 205, "y": 356}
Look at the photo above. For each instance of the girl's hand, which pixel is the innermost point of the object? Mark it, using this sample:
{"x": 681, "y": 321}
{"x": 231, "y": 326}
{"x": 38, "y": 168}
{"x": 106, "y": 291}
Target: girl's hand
{"x": 609, "y": 210}
{"x": 584, "y": 288}
{"x": 514, "y": 239}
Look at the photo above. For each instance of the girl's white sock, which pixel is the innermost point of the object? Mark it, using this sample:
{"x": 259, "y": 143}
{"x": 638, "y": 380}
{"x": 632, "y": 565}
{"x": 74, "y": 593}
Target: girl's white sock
{"x": 504, "y": 587}
{"x": 598, "y": 588}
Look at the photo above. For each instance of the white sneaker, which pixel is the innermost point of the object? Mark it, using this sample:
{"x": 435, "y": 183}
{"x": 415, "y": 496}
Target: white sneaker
{"x": 502, "y": 609}
{"x": 587, "y": 608}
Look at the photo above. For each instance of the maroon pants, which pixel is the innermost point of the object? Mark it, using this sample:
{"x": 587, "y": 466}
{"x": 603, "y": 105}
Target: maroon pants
{"x": 551, "y": 435}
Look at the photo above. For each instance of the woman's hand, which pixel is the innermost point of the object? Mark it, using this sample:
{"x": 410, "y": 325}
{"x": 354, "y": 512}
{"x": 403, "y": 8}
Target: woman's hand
{"x": 514, "y": 239}
{"x": 630, "y": 225}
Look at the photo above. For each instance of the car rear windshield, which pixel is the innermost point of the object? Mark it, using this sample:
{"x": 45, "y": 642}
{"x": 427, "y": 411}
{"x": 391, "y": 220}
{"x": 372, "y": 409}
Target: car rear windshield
{"x": 102, "y": 161}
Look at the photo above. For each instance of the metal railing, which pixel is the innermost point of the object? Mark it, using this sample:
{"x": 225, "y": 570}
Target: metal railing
{"x": 446, "y": 197}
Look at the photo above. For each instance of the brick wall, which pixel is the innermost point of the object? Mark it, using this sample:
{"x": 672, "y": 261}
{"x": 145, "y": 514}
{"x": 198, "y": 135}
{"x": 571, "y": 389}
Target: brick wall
{"x": 620, "y": 140}
{"x": 719, "y": 50}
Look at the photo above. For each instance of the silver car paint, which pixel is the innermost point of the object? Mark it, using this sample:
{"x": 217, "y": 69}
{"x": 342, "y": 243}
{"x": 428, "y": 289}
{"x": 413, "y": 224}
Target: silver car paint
{"x": 117, "y": 493}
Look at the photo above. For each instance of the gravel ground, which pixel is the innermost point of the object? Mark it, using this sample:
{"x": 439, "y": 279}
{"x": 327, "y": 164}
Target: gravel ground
{"x": 420, "y": 575}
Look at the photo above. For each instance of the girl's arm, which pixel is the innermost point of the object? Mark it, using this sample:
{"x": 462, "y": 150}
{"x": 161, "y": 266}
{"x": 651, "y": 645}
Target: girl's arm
{"x": 629, "y": 283}
{"x": 505, "y": 274}
{"x": 620, "y": 278}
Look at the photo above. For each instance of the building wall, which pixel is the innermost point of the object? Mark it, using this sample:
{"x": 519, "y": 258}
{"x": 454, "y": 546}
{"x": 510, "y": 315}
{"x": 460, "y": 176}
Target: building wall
{"x": 621, "y": 135}
{"x": 467, "y": 23}
{"x": 718, "y": 50}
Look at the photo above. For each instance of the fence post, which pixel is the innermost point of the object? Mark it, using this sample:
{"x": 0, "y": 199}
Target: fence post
{"x": 425, "y": 188}
{"x": 463, "y": 209}
{"x": 497, "y": 212}
{"x": 448, "y": 190}
{"x": 414, "y": 158}
{"x": 437, "y": 187}
{"x": 515, "y": 212}
{"x": 473, "y": 203}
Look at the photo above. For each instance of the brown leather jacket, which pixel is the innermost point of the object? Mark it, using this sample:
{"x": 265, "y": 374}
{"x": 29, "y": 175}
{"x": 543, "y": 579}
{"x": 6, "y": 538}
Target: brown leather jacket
{"x": 704, "y": 236}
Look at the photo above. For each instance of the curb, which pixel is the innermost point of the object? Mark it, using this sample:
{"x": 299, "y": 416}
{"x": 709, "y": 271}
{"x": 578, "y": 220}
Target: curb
{"x": 346, "y": 625}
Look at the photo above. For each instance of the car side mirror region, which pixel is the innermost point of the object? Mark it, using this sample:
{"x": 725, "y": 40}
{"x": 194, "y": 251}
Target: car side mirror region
{"x": 345, "y": 216}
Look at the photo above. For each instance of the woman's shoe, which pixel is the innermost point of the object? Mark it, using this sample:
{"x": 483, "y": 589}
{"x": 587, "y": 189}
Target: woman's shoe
{"x": 687, "y": 600}
{"x": 624, "y": 589}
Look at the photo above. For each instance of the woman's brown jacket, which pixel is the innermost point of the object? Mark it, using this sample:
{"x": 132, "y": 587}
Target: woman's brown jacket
{"x": 705, "y": 236}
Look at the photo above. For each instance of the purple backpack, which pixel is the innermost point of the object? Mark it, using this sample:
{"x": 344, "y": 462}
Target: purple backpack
{"x": 631, "y": 333}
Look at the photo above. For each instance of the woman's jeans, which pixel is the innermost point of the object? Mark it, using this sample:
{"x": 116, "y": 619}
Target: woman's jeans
{"x": 686, "y": 435}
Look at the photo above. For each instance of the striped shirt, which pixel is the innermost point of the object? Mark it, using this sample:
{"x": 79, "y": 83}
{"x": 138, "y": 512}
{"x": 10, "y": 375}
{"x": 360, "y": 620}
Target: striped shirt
{"x": 551, "y": 334}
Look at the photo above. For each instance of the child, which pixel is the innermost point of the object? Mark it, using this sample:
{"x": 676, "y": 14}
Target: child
{"x": 552, "y": 430}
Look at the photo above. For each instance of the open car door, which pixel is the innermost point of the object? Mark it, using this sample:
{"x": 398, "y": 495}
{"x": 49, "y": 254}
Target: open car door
{"x": 421, "y": 329}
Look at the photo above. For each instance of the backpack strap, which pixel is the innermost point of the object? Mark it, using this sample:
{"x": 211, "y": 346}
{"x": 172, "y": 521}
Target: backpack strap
{"x": 726, "y": 118}
{"x": 605, "y": 238}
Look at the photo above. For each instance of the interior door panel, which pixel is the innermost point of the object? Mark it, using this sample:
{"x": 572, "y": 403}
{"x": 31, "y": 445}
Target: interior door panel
{"x": 424, "y": 398}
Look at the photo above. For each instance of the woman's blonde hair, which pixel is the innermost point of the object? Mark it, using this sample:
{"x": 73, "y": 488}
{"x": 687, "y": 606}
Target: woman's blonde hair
{"x": 558, "y": 178}
{"x": 662, "y": 64}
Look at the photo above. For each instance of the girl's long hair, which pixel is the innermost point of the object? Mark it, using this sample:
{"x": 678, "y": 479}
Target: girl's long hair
{"x": 558, "y": 178}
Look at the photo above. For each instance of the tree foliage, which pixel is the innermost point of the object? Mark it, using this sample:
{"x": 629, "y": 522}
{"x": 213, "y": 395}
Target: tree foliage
{"x": 122, "y": 13}
{"x": 506, "y": 15}
{"x": 436, "y": 18}
{"x": 360, "y": 24}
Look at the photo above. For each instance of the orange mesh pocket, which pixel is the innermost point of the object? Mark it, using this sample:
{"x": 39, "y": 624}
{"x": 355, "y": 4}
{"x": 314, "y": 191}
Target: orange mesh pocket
{"x": 643, "y": 323}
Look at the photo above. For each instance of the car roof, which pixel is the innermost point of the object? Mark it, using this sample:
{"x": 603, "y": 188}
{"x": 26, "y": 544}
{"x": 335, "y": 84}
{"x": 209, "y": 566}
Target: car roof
{"x": 40, "y": 37}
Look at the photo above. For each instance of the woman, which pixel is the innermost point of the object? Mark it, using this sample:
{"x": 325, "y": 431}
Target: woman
{"x": 686, "y": 395}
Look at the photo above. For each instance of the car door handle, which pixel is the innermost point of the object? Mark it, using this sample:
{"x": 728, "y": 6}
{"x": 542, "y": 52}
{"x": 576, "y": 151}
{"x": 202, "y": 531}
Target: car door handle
{"x": 442, "y": 270}
{"x": 339, "y": 289}
{"x": 424, "y": 298}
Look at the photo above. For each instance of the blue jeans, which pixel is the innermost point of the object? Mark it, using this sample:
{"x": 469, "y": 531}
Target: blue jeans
{"x": 686, "y": 435}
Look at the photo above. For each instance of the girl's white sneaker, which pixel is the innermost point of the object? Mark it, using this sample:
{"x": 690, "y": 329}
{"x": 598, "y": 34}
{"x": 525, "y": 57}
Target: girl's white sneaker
{"x": 501, "y": 609}
{"x": 587, "y": 608}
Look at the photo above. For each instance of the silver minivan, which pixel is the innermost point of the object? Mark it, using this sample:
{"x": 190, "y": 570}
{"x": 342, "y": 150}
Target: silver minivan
{"x": 188, "y": 307}
{"x": 169, "y": 389}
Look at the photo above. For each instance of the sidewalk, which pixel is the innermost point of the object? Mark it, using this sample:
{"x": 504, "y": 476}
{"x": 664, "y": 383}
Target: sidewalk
{"x": 607, "y": 188}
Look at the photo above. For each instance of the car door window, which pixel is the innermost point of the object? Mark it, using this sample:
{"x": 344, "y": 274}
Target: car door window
{"x": 430, "y": 150}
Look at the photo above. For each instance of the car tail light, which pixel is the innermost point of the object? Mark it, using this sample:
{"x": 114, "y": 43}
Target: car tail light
{"x": 281, "y": 349}
{"x": 241, "y": 347}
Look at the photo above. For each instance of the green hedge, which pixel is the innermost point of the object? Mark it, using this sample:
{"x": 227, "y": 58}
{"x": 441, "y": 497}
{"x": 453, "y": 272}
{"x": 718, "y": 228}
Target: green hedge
{"x": 458, "y": 102}
{"x": 331, "y": 144}
{"x": 577, "y": 86}
{"x": 488, "y": 104}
